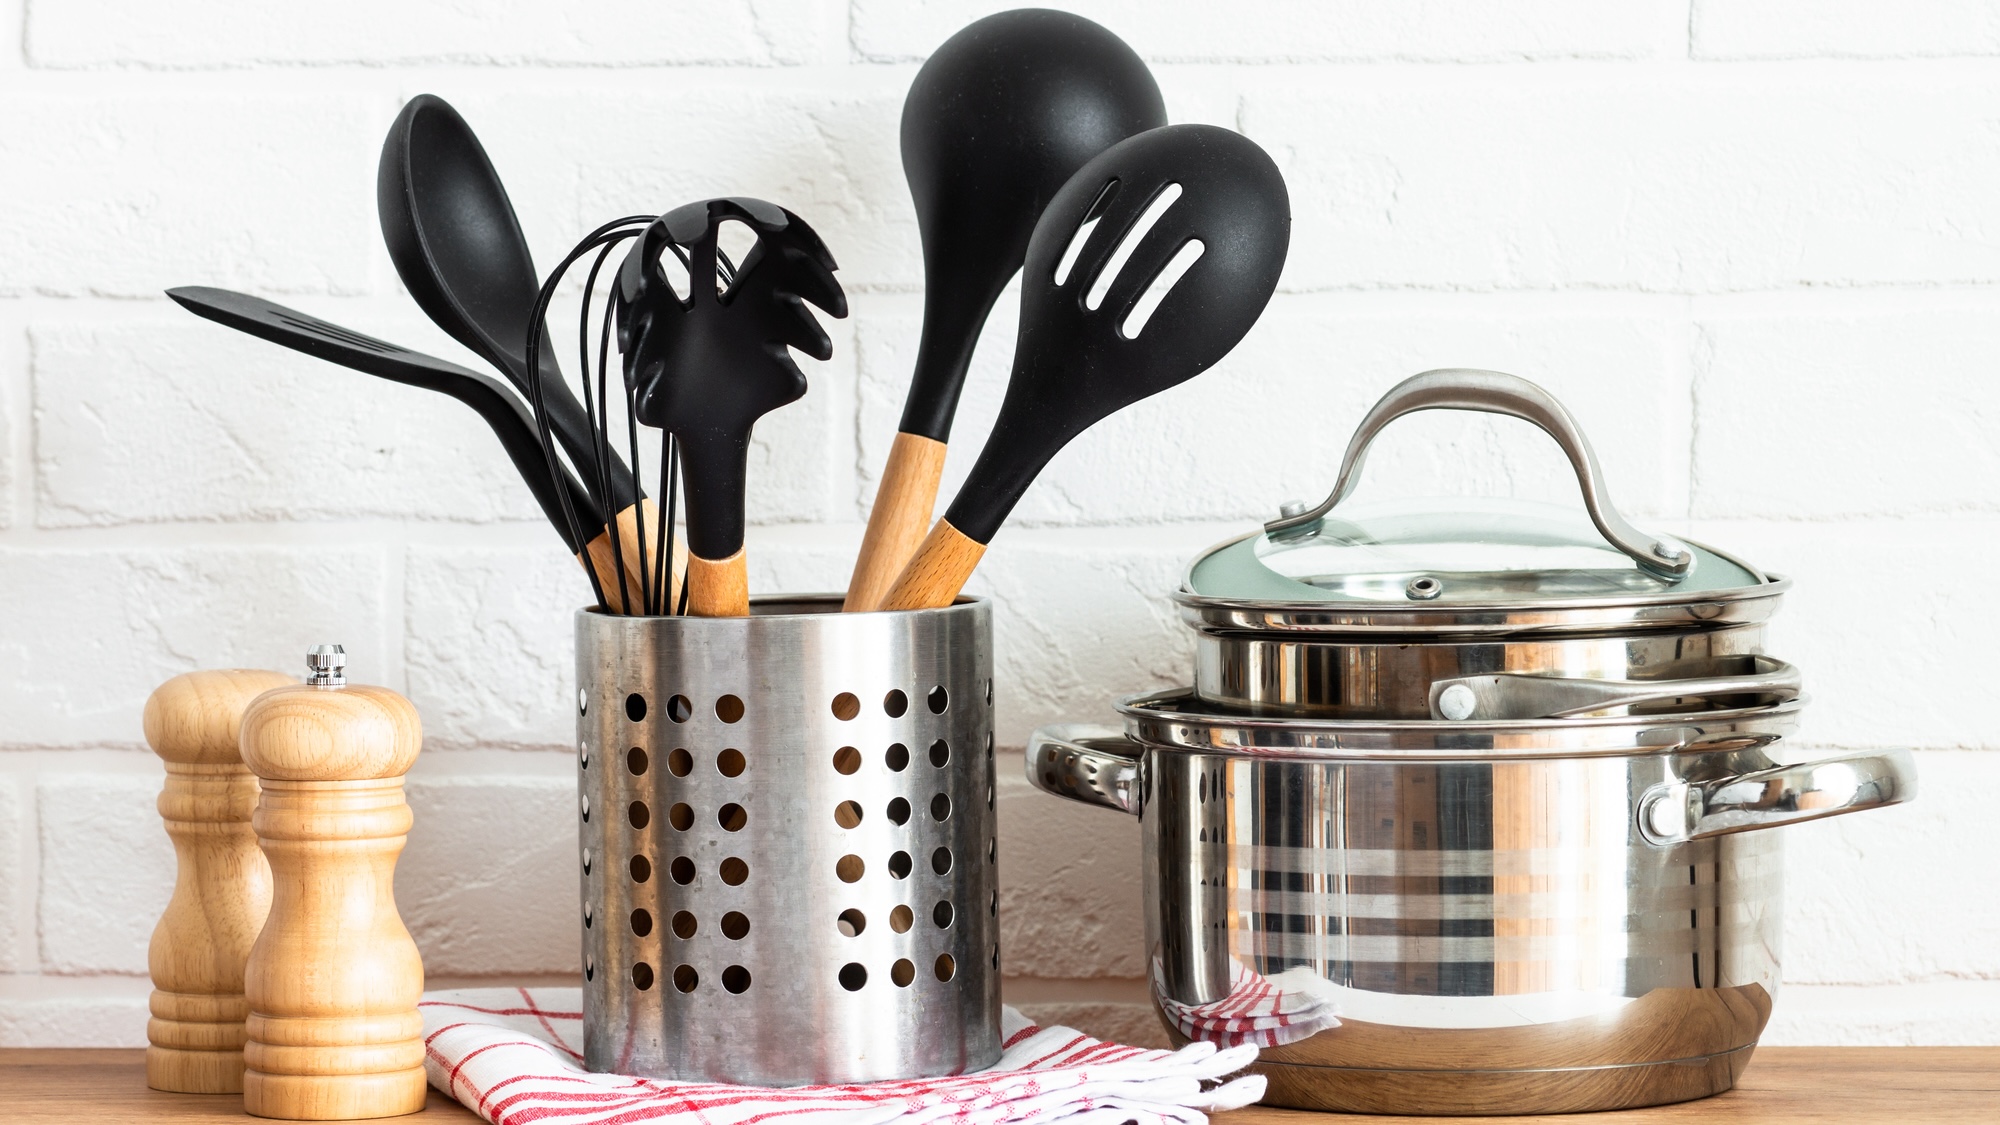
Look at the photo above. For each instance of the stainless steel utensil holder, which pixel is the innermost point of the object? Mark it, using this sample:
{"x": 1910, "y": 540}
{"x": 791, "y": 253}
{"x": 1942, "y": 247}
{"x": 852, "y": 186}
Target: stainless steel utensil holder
{"x": 787, "y": 843}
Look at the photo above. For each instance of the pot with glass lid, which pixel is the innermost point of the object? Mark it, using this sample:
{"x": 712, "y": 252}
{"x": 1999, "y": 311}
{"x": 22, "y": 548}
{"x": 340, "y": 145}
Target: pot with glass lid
{"x": 1467, "y": 610}
{"x": 1469, "y": 810}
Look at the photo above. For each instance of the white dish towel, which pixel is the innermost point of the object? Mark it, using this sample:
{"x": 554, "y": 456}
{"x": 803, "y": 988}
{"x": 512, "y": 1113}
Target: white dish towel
{"x": 514, "y": 1056}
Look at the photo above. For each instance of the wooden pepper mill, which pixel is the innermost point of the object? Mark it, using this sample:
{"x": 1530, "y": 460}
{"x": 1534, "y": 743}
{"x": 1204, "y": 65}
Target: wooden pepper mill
{"x": 221, "y": 889}
{"x": 334, "y": 979}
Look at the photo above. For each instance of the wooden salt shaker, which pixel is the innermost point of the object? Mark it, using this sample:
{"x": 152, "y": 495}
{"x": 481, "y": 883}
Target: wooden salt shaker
{"x": 334, "y": 979}
{"x": 222, "y": 887}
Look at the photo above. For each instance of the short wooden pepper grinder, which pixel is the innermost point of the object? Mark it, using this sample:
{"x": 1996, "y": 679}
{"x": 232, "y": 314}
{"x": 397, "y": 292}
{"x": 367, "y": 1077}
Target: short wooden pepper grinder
{"x": 334, "y": 979}
{"x": 222, "y": 886}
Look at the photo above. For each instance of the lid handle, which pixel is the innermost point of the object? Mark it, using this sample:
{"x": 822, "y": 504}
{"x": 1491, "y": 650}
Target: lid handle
{"x": 1495, "y": 392}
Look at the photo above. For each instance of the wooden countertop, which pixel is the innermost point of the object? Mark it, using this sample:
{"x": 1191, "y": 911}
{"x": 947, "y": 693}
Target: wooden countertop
{"x": 1788, "y": 1085}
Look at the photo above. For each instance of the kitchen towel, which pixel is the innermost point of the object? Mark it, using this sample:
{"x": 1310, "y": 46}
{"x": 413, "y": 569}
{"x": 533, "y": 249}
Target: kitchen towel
{"x": 1258, "y": 1010}
{"x": 515, "y": 1055}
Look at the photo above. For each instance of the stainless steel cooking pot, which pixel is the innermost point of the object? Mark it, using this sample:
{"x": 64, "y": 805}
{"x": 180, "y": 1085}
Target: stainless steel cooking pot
{"x": 1482, "y": 917}
{"x": 1351, "y": 610}
{"x": 1464, "y": 812}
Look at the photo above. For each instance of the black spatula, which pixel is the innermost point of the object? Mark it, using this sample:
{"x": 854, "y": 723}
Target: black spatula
{"x": 1149, "y": 265}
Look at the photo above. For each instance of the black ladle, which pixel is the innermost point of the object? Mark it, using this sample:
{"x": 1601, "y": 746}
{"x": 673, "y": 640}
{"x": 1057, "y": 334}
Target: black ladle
{"x": 457, "y": 245}
{"x": 1074, "y": 364}
{"x": 998, "y": 119}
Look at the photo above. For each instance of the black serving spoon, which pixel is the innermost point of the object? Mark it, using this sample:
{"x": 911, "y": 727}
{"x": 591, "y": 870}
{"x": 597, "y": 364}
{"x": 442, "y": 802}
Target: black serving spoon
{"x": 998, "y": 119}
{"x": 1149, "y": 265}
{"x": 457, "y": 245}
{"x": 706, "y": 366}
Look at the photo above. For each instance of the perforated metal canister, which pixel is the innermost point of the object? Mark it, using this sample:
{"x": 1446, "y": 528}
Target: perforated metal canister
{"x": 787, "y": 843}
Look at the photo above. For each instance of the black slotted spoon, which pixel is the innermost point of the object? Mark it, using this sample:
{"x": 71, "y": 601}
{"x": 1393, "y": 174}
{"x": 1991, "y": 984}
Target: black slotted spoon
{"x": 1095, "y": 335}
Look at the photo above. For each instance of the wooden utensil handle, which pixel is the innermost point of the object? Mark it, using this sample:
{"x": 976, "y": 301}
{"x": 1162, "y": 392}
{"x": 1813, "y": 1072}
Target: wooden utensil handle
{"x": 718, "y": 587}
{"x": 938, "y": 571}
{"x": 601, "y": 556}
{"x": 896, "y": 523}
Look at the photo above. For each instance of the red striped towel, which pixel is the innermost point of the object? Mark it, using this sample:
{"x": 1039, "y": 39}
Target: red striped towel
{"x": 1259, "y": 1010}
{"x": 514, "y": 1055}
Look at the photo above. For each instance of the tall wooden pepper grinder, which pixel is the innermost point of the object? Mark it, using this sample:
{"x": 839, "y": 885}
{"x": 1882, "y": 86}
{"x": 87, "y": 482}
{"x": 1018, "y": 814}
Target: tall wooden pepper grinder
{"x": 222, "y": 886}
{"x": 334, "y": 979}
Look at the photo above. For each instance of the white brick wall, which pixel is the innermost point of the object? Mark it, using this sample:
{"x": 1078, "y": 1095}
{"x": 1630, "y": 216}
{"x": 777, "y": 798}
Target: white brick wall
{"x": 1751, "y": 242}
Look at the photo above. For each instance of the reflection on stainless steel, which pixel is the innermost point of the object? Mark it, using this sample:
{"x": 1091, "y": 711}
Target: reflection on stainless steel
{"x": 1496, "y": 392}
{"x": 1344, "y": 678}
{"x": 1494, "y": 934}
{"x": 1510, "y": 695}
{"x": 788, "y": 844}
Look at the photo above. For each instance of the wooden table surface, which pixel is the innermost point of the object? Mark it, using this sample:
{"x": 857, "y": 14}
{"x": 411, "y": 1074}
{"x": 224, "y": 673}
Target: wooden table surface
{"x": 1788, "y": 1085}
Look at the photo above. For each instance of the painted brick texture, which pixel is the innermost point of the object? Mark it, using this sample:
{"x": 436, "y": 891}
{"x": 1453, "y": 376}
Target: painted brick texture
{"x": 1751, "y": 243}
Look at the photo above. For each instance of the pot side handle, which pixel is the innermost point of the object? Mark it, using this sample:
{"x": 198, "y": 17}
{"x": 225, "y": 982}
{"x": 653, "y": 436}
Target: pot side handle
{"x": 1085, "y": 762}
{"x": 1675, "y": 812}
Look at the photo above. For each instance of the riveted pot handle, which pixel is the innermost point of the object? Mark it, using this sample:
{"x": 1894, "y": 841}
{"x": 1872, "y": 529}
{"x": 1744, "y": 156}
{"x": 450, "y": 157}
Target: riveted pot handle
{"x": 1495, "y": 392}
{"x": 1096, "y": 765}
{"x": 1674, "y": 812}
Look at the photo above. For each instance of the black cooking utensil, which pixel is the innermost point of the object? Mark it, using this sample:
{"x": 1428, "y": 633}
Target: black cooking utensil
{"x": 1149, "y": 265}
{"x": 457, "y": 245}
{"x": 998, "y": 119}
{"x": 706, "y": 367}
{"x": 503, "y": 409}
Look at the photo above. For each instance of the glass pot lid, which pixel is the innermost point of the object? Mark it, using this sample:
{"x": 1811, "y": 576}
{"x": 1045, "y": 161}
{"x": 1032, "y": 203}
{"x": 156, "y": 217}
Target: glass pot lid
{"x": 1467, "y": 562}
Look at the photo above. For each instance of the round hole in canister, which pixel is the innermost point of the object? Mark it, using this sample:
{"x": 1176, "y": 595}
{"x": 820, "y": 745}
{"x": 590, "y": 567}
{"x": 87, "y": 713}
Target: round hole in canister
{"x": 734, "y": 871}
{"x": 590, "y": 968}
{"x": 635, "y": 760}
{"x": 735, "y": 926}
{"x": 898, "y": 757}
{"x": 851, "y": 922}
{"x": 941, "y": 860}
{"x": 685, "y": 978}
{"x": 582, "y": 702}
{"x": 679, "y": 709}
{"x": 940, "y": 753}
{"x": 736, "y": 979}
{"x": 853, "y": 976}
{"x": 682, "y": 870}
{"x": 849, "y": 868}
{"x": 989, "y": 693}
{"x": 642, "y": 869}
{"x": 903, "y": 972}
{"x": 684, "y": 925}
{"x": 846, "y": 760}
{"x": 996, "y": 956}
{"x": 941, "y": 914}
{"x": 944, "y": 966}
{"x": 895, "y": 704}
{"x": 901, "y": 919}
{"x": 642, "y": 976}
{"x": 993, "y": 906}
{"x": 635, "y": 709}
{"x": 847, "y": 814}
{"x": 938, "y": 699}
{"x": 899, "y": 811}
{"x": 992, "y": 850}
{"x": 845, "y": 706}
{"x": 940, "y": 807}
{"x": 729, "y": 709}
{"x": 899, "y": 865}
{"x": 642, "y": 922}
{"x": 639, "y": 814}
{"x": 680, "y": 763}
{"x": 731, "y": 817}
{"x": 730, "y": 763}
{"x": 681, "y": 816}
